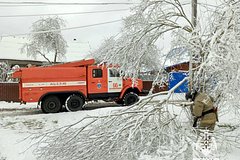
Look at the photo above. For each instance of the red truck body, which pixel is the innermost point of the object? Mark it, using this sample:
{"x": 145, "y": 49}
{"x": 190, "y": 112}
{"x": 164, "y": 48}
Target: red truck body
{"x": 71, "y": 84}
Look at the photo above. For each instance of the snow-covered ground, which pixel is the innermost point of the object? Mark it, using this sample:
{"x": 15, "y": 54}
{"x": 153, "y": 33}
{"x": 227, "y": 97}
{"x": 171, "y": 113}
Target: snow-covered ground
{"x": 17, "y": 122}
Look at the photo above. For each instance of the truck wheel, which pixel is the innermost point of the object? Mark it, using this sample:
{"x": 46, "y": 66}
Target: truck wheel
{"x": 130, "y": 98}
{"x": 51, "y": 104}
{"x": 74, "y": 103}
{"x": 119, "y": 101}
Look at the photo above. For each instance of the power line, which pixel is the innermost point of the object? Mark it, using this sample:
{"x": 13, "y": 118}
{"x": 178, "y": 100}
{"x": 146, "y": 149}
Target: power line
{"x": 48, "y": 14}
{"x": 203, "y": 4}
{"x": 208, "y": 5}
{"x": 76, "y": 3}
{"x": 64, "y": 29}
{"x": 27, "y": 5}
{"x": 21, "y": 43}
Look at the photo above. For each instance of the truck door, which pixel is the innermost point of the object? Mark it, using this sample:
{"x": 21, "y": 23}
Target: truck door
{"x": 97, "y": 80}
{"x": 115, "y": 82}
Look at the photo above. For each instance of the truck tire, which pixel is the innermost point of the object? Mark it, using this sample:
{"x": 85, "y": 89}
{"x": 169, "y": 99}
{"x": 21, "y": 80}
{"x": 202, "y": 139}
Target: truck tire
{"x": 51, "y": 104}
{"x": 119, "y": 101}
{"x": 130, "y": 98}
{"x": 74, "y": 103}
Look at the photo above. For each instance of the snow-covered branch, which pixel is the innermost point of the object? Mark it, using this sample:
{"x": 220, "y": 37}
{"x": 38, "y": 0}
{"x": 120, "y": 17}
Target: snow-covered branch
{"x": 130, "y": 133}
{"x": 46, "y": 43}
{"x": 149, "y": 127}
{"x": 136, "y": 44}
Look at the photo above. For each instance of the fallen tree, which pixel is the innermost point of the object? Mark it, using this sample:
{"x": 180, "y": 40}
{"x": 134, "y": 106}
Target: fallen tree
{"x": 150, "y": 128}
{"x": 140, "y": 130}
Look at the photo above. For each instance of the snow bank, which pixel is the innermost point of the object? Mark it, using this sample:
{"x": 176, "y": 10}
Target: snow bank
{"x": 11, "y": 105}
{"x": 19, "y": 121}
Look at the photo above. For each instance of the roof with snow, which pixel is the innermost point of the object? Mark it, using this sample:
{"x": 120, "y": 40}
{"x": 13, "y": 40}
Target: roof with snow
{"x": 22, "y": 63}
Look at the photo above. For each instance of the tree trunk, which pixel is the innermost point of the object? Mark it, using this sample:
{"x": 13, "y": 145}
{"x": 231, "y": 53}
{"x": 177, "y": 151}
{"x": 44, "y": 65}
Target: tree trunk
{"x": 55, "y": 56}
{"x": 44, "y": 56}
{"x": 194, "y": 22}
{"x": 194, "y": 12}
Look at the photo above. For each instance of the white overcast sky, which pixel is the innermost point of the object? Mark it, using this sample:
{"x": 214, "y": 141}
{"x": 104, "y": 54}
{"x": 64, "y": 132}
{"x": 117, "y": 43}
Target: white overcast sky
{"x": 87, "y": 39}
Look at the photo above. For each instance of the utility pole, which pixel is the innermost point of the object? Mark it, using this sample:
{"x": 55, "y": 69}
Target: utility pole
{"x": 194, "y": 22}
{"x": 194, "y": 12}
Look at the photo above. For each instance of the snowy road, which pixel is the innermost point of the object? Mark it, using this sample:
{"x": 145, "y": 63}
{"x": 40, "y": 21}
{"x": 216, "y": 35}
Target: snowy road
{"x": 19, "y": 121}
{"x": 19, "y": 111}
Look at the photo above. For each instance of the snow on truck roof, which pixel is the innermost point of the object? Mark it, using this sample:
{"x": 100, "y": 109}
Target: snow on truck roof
{"x": 76, "y": 63}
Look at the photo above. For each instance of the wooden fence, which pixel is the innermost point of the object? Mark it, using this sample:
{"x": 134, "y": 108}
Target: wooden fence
{"x": 9, "y": 92}
{"x": 147, "y": 85}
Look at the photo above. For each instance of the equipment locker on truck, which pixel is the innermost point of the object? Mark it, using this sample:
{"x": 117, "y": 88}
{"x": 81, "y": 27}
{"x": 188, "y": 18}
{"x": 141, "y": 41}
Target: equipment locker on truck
{"x": 71, "y": 84}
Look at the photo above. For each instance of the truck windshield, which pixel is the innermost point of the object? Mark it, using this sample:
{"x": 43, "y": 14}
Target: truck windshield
{"x": 114, "y": 72}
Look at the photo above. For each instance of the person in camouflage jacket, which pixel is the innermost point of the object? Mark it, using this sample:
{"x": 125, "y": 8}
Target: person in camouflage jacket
{"x": 203, "y": 110}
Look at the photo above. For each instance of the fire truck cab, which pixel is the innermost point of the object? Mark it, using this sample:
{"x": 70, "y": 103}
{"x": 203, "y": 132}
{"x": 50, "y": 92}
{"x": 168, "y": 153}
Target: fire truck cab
{"x": 71, "y": 84}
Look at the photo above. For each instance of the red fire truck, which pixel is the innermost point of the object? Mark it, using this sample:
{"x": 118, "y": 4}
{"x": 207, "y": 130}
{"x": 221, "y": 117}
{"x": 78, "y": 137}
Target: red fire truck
{"x": 71, "y": 84}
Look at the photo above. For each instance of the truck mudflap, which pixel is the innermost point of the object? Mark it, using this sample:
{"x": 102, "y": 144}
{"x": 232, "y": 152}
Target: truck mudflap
{"x": 127, "y": 90}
